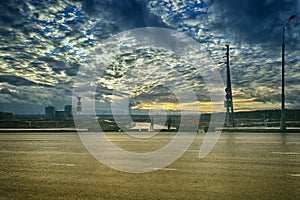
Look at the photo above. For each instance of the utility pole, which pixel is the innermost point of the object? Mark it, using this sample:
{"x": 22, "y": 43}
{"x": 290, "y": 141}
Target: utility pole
{"x": 229, "y": 99}
{"x": 282, "y": 118}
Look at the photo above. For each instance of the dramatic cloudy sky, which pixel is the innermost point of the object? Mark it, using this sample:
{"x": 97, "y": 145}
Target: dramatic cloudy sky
{"x": 43, "y": 44}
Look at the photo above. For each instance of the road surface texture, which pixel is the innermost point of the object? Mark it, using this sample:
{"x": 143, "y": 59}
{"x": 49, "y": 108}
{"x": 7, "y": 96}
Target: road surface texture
{"x": 241, "y": 166}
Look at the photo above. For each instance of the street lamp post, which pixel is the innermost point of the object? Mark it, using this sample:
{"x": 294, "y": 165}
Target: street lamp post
{"x": 282, "y": 119}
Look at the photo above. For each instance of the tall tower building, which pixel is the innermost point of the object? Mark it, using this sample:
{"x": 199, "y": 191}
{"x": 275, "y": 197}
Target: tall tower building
{"x": 50, "y": 112}
{"x": 68, "y": 111}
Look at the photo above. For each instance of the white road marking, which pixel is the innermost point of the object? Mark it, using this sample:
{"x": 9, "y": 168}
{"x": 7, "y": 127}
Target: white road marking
{"x": 42, "y": 152}
{"x": 166, "y": 169}
{"x": 286, "y": 153}
{"x": 295, "y": 175}
{"x": 63, "y": 164}
{"x": 191, "y": 150}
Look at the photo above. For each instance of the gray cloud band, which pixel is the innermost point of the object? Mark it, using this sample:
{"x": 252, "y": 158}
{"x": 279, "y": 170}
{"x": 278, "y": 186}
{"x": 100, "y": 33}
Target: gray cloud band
{"x": 100, "y": 146}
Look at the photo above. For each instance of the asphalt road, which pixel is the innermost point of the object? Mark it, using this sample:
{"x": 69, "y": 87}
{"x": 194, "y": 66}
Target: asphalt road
{"x": 241, "y": 166}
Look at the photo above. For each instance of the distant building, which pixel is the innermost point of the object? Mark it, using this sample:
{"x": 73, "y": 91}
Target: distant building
{"x": 68, "y": 112}
{"x": 6, "y": 115}
{"x": 50, "y": 112}
{"x": 60, "y": 114}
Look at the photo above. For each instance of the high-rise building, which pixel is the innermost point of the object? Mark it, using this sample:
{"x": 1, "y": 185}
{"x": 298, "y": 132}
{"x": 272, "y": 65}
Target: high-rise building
{"x": 50, "y": 112}
{"x": 68, "y": 111}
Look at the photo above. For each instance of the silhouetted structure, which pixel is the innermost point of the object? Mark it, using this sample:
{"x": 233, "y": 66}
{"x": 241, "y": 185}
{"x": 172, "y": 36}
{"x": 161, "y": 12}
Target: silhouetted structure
{"x": 60, "y": 114}
{"x": 50, "y": 112}
{"x": 68, "y": 111}
{"x": 6, "y": 115}
{"x": 169, "y": 122}
{"x": 151, "y": 124}
{"x": 283, "y": 119}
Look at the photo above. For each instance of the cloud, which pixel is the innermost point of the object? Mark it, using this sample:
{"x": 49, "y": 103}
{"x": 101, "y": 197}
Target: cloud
{"x": 125, "y": 14}
{"x": 253, "y": 21}
{"x": 6, "y": 91}
{"x": 19, "y": 81}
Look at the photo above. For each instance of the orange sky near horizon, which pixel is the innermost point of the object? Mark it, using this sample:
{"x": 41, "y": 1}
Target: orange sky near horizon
{"x": 240, "y": 105}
